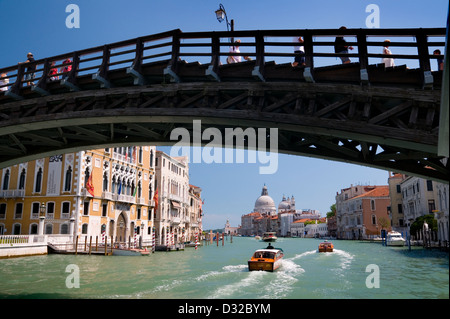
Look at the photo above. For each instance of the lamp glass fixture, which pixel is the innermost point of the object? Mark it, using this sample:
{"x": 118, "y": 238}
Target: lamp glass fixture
{"x": 220, "y": 15}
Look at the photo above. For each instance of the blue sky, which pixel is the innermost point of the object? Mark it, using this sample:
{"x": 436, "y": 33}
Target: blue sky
{"x": 230, "y": 190}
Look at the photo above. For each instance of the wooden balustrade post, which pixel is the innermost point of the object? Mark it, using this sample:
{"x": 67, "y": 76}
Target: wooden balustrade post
{"x": 171, "y": 71}
{"x": 308, "y": 74}
{"x": 363, "y": 58}
{"x": 258, "y": 71}
{"x": 424, "y": 58}
{"x": 212, "y": 71}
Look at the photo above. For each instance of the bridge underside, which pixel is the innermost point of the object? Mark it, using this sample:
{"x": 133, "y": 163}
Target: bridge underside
{"x": 388, "y": 128}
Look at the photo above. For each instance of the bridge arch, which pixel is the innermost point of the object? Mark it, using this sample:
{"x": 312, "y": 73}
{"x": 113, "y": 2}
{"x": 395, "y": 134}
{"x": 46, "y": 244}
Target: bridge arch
{"x": 357, "y": 113}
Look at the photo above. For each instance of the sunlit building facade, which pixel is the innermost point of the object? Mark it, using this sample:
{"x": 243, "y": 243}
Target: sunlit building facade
{"x": 104, "y": 192}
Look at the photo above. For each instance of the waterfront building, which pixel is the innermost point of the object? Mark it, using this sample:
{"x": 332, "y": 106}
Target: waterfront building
{"x": 441, "y": 213}
{"x": 361, "y": 211}
{"x": 264, "y": 217}
{"x": 332, "y": 226}
{"x": 286, "y": 218}
{"x": 298, "y": 228}
{"x": 419, "y": 197}
{"x": 89, "y": 193}
{"x": 193, "y": 222}
{"x": 229, "y": 230}
{"x": 398, "y": 221}
{"x": 178, "y": 216}
{"x": 248, "y": 222}
{"x": 316, "y": 230}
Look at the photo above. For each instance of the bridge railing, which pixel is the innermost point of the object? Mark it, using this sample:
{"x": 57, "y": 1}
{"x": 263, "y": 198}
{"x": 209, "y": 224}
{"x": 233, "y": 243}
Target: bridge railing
{"x": 213, "y": 49}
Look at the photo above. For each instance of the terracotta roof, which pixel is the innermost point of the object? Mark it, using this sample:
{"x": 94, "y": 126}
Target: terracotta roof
{"x": 378, "y": 191}
{"x": 302, "y": 220}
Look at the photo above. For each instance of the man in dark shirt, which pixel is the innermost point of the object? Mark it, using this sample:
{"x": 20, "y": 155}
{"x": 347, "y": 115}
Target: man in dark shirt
{"x": 30, "y": 69}
{"x": 340, "y": 46}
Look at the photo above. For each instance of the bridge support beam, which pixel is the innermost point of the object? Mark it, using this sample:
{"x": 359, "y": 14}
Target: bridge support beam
{"x": 104, "y": 84}
{"x": 211, "y": 75}
{"x": 171, "y": 75}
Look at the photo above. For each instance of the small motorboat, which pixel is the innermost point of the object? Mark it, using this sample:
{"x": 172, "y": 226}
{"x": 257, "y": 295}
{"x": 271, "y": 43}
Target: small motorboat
{"x": 326, "y": 247}
{"x": 268, "y": 259}
{"x": 395, "y": 239}
{"x": 269, "y": 237}
{"x": 258, "y": 237}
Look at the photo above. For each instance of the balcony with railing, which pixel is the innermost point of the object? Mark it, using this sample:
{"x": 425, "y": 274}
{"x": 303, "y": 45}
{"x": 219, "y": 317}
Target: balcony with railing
{"x": 12, "y": 193}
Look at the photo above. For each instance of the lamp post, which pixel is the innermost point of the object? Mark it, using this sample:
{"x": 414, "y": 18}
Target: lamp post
{"x": 42, "y": 210}
{"x": 221, "y": 15}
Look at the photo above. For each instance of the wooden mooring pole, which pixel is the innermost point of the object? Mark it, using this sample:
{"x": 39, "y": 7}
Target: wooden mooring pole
{"x": 223, "y": 239}
{"x": 90, "y": 244}
{"x": 76, "y": 245}
{"x": 106, "y": 244}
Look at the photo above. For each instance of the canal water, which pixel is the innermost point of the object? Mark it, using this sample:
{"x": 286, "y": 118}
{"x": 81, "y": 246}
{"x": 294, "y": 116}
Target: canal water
{"x": 220, "y": 272}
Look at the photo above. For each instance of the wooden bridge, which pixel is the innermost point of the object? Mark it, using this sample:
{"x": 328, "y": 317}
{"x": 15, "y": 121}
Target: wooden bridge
{"x": 137, "y": 91}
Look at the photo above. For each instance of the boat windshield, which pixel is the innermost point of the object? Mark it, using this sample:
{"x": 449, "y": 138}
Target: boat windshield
{"x": 264, "y": 254}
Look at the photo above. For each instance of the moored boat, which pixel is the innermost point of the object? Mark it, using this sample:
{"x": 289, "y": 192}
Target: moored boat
{"x": 269, "y": 237}
{"x": 130, "y": 252}
{"x": 268, "y": 259}
{"x": 395, "y": 239}
{"x": 326, "y": 247}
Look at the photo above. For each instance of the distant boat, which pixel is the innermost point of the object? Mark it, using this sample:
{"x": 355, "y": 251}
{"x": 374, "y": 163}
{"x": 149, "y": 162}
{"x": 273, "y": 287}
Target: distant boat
{"x": 258, "y": 237}
{"x": 268, "y": 259}
{"x": 130, "y": 252}
{"x": 326, "y": 247}
{"x": 395, "y": 239}
{"x": 269, "y": 237}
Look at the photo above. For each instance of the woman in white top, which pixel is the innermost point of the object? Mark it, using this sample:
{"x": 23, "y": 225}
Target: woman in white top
{"x": 388, "y": 62}
{"x": 3, "y": 81}
{"x": 235, "y": 49}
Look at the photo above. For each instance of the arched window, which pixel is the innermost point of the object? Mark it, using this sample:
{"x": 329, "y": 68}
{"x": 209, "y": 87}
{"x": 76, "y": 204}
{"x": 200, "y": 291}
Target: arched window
{"x": 22, "y": 179}
{"x": 64, "y": 229}
{"x": 48, "y": 229}
{"x": 68, "y": 178}
{"x": 374, "y": 219}
{"x": 84, "y": 229}
{"x": 17, "y": 229}
{"x": 33, "y": 229}
{"x": 87, "y": 173}
{"x": 372, "y": 204}
{"x": 6, "y": 180}
{"x": 139, "y": 189}
{"x": 37, "y": 186}
{"x": 105, "y": 182}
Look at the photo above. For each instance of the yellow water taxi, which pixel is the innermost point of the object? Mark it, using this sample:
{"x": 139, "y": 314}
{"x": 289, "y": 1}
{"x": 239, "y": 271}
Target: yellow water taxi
{"x": 326, "y": 247}
{"x": 268, "y": 259}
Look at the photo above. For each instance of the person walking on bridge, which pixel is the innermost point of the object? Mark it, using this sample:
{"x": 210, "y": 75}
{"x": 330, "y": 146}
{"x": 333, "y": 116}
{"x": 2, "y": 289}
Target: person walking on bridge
{"x": 388, "y": 62}
{"x": 341, "y": 47}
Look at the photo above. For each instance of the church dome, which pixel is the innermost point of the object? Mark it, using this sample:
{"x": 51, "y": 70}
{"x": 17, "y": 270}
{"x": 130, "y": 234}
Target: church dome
{"x": 285, "y": 204}
{"x": 265, "y": 203}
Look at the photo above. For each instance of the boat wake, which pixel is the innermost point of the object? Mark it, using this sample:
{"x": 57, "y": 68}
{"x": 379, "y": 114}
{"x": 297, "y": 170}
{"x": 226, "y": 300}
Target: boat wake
{"x": 306, "y": 253}
{"x": 253, "y": 279}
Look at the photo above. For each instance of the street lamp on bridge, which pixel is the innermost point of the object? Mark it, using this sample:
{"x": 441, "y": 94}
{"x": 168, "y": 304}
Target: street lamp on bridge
{"x": 221, "y": 15}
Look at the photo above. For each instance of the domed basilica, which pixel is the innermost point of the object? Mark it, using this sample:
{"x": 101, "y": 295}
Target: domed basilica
{"x": 266, "y": 205}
